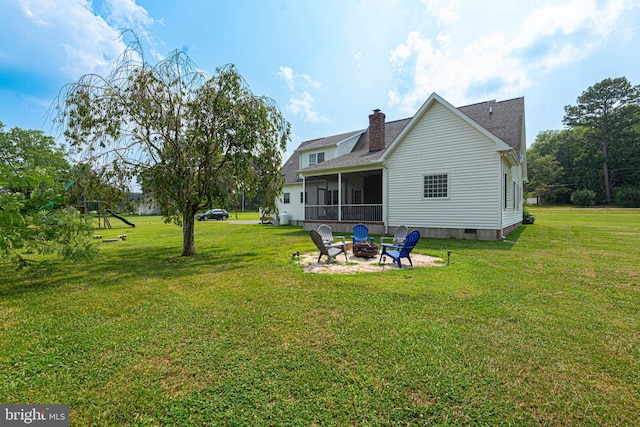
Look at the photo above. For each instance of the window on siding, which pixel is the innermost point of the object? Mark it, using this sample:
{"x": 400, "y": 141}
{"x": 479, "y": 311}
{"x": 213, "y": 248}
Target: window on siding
{"x": 285, "y": 198}
{"x": 303, "y": 197}
{"x": 514, "y": 195}
{"x": 436, "y": 186}
{"x": 316, "y": 158}
{"x": 506, "y": 190}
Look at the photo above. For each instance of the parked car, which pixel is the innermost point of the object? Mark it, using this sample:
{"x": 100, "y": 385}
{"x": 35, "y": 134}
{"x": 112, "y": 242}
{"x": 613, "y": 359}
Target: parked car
{"x": 217, "y": 214}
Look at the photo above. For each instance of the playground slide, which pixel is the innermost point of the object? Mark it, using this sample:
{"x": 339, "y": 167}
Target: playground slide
{"x": 120, "y": 218}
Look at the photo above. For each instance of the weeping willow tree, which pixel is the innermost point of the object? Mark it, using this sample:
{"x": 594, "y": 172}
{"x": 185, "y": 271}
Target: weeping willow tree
{"x": 192, "y": 140}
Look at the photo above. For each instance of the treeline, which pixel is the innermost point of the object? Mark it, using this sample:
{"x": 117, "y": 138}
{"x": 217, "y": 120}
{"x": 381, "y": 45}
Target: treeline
{"x": 596, "y": 158}
{"x": 34, "y": 216}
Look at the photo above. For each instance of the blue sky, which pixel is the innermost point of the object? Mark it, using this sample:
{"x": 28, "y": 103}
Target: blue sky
{"x": 329, "y": 64}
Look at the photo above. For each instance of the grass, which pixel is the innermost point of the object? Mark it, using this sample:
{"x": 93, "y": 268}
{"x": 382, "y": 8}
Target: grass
{"x": 541, "y": 330}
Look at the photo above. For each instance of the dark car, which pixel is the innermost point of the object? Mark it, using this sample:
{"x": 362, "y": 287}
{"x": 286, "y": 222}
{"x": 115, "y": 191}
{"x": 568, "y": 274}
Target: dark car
{"x": 217, "y": 214}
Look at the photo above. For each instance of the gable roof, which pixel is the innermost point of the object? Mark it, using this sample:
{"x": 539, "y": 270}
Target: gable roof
{"x": 503, "y": 119}
{"x": 360, "y": 155}
{"x": 290, "y": 168}
{"x": 326, "y": 141}
{"x": 501, "y": 122}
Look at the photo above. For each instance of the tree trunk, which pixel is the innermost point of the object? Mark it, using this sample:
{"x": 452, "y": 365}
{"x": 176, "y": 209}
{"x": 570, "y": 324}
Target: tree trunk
{"x": 605, "y": 167}
{"x": 607, "y": 186}
{"x": 188, "y": 241}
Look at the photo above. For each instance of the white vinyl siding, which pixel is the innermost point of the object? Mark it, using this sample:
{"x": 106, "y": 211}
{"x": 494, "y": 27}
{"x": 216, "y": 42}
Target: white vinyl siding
{"x": 441, "y": 141}
{"x": 294, "y": 208}
{"x": 512, "y": 207}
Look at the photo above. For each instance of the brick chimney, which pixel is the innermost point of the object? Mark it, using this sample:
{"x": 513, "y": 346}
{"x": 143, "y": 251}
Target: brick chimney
{"x": 376, "y": 131}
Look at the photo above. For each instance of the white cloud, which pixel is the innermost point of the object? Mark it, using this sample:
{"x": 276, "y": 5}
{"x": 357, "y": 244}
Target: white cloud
{"x": 501, "y": 63}
{"x": 286, "y": 73}
{"x": 357, "y": 55}
{"x": 309, "y": 81}
{"x": 88, "y": 42}
{"x": 445, "y": 11}
{"x": 301, "y": 104}
{"x": 127, "y": 14}
{"x": 301, "y": 101}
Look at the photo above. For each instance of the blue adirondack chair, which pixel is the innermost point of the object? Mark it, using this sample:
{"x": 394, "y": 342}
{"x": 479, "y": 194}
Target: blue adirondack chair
{"x": 403, "y": 250}
{"x": 361, "y": 234}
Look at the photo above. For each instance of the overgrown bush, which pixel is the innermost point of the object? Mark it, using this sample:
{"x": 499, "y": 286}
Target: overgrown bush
{"x": 628, "y": 197}
{"x": 583, "y": 197}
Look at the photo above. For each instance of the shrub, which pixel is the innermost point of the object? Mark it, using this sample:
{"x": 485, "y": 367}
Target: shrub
{"x": 628, "y": 197}
{"x": 527, "y": 217}
{"x": 583, "y": 197}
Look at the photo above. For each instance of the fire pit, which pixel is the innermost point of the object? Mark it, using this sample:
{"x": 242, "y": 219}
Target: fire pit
{"x": 365, "y": 250}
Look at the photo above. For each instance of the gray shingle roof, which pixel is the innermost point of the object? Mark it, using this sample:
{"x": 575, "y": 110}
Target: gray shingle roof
{"x": 360, "y": 155}
{"x": 290, "y": 167}
{"x": 505, "y": 122}
{"x": 326, "y": 141}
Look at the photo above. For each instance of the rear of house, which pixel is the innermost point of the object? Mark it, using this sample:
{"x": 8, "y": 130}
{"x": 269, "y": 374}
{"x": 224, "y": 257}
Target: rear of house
{"x": 449, "y": 172}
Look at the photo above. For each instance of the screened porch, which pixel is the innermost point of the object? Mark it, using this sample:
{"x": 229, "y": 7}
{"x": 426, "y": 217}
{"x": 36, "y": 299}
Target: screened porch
{"x": 349, "y": 197}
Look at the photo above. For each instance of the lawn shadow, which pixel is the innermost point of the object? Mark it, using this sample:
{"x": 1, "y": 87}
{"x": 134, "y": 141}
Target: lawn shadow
{"x": 131, "y": 264}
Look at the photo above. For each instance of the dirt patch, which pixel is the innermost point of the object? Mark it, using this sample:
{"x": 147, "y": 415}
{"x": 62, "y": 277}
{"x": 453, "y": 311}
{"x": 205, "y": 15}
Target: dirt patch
{"x": 309, "y": 262}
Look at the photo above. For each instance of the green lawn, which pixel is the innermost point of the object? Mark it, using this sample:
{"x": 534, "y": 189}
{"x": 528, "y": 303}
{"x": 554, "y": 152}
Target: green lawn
{"x": 543, "y": 329}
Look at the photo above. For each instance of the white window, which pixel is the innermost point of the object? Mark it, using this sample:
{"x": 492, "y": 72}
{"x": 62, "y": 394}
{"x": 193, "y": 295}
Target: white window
{"x": 285, "y": 198}
{"x": 436, "y": 186}
{"x": 316, "y": 158}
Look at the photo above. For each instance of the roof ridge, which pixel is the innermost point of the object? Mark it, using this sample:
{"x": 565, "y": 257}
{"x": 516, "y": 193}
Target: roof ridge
{"x": 399, "y": 120}
{"x": 479, "y": 103}
{"x": 491, "y": 101}
{"x": 333, "y": 136}
{"x": 352, "y": 131}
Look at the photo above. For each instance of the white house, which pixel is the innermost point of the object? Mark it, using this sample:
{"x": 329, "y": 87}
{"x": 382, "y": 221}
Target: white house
{"x": 449, "y": 172}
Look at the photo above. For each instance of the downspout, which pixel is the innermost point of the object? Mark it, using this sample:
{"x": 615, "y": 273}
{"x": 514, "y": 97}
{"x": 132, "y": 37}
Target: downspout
{"x": 304, "y": 199}
{"x": 385, "y": 198}
{"x": 501, "y": 192}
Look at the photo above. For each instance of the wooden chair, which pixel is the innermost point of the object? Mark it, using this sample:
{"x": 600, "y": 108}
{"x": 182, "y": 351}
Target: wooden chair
{"x": 329, "y": 251}
{"x": 403, "y": 250}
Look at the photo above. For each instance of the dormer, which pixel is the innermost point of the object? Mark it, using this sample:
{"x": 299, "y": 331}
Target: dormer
{"x": 315, "y": 156}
